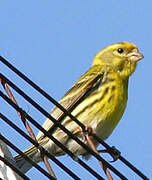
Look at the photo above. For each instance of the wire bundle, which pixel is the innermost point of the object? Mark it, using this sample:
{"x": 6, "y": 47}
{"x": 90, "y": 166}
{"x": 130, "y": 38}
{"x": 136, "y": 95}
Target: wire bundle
{"x": 57, "y": 123}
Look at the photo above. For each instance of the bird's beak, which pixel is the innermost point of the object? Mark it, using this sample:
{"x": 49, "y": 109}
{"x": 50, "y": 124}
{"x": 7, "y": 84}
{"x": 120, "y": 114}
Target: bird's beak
{"x": 134, "y": 55}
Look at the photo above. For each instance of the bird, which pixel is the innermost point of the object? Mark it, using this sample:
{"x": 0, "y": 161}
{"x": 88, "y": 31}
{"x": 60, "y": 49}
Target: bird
{"x": 101, "y": 109}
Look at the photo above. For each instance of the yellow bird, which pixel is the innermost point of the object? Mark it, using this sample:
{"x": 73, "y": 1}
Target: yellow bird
{"x": 101, "y": 109}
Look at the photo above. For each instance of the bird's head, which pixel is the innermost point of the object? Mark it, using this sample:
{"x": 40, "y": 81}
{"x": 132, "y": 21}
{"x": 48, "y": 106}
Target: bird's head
{"x": 122, "y": 57}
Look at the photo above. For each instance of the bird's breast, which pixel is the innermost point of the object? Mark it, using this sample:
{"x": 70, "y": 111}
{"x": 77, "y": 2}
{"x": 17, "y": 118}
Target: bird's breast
{"x": 111, "y": 105}
{"x": 102, "y": 109}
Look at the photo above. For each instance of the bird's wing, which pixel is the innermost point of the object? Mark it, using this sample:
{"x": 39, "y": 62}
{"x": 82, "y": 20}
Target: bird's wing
{"x": 82, "y": 88}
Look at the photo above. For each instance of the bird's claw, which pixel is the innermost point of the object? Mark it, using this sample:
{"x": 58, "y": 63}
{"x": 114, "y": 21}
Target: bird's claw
{"x": 88, "y": 130}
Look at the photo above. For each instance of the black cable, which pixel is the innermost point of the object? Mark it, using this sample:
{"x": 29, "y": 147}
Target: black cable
{"x": 4, "y": 118}
{"x": 133, "y": 168}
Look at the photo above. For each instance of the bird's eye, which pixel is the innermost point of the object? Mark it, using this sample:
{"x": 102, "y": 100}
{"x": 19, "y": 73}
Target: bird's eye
{"x": 120, "y": 50}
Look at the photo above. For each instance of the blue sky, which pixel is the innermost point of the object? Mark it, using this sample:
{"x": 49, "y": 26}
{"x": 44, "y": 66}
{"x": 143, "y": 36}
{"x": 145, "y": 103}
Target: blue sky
{"x": 54, "y": 42}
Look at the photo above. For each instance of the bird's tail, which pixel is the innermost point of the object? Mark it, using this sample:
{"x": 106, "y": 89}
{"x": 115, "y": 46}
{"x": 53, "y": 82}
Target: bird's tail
{"x": 24, "y": 165}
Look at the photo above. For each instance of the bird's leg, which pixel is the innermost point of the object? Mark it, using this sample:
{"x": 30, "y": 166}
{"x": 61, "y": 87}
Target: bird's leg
{"x": 88, "y": 134}
{"x": 79, "y": 130}
{"x": 45, "y": 159}
{"x": 114, "y": 153}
